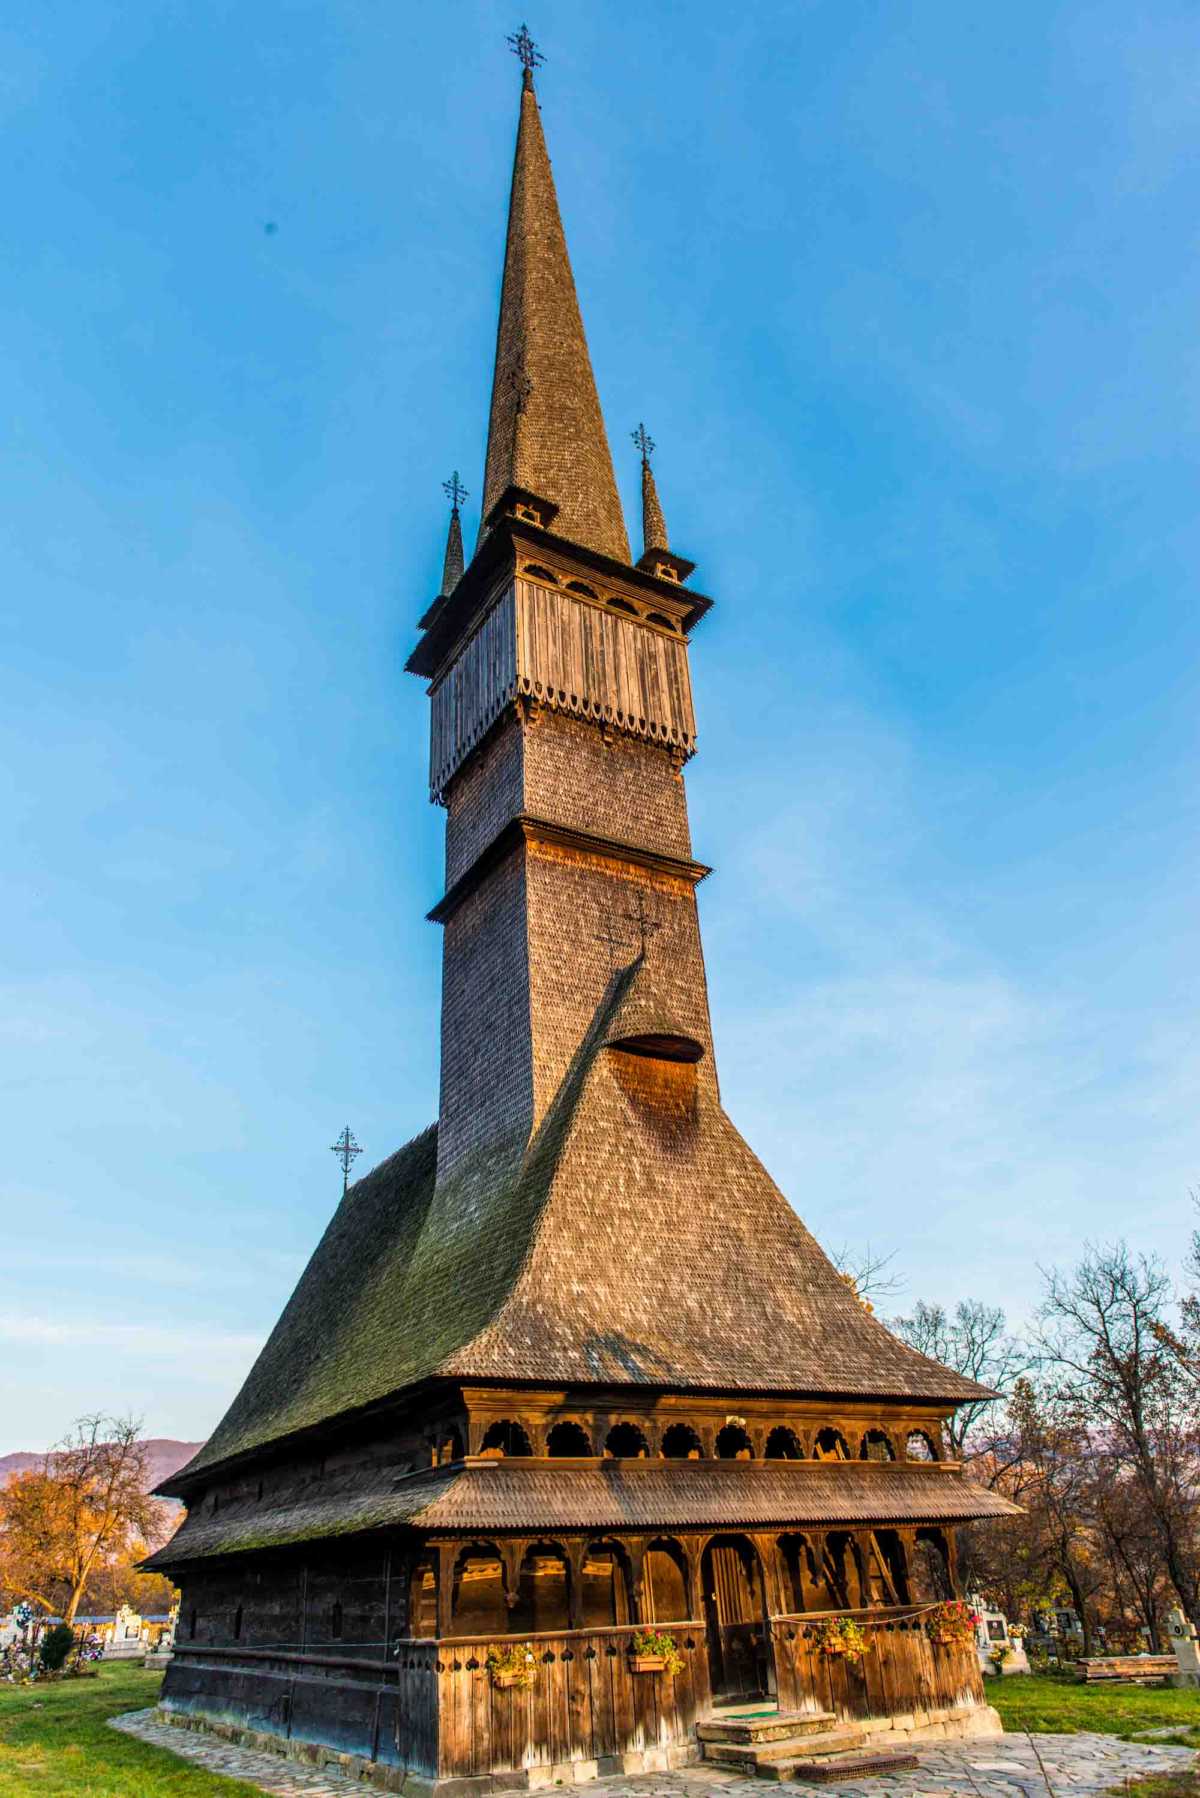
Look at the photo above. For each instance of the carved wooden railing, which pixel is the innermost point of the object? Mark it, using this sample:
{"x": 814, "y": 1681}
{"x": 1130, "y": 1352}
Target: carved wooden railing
{"x": 432, "y": 1705}
{"x": 585, "y": 1702}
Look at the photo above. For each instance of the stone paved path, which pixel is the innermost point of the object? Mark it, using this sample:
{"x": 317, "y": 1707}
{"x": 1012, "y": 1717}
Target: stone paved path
{"x": 1012, "y": 1766}
{"x": 269, "y": 1772}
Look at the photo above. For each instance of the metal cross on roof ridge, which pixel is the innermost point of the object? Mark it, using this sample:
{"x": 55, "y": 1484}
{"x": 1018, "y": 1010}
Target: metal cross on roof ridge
{"x": 455, "y": 492}
{"x": 345, "y": 1148}
{"x": 646, "y": 928}
{"x": 644, "y": 442}
{"x": 524, "y": 48}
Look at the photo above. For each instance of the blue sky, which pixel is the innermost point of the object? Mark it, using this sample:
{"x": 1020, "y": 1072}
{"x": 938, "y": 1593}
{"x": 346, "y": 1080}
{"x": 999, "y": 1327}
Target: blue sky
{"x": 908, "y": 297}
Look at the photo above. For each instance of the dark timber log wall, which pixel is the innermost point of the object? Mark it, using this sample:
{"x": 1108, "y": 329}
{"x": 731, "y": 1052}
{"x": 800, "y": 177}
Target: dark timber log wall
{"x": 383, "y": 1711}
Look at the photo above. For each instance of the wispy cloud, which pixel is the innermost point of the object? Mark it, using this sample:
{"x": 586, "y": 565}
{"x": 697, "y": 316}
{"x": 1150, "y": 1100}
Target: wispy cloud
{"x": 908, "y": 1083}
{"x": 144, "y": 1338}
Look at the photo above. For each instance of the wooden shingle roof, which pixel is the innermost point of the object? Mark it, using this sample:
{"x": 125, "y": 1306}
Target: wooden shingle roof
{"x": 509, "y": 1496}
{"x": 546, "y": 432}
{"x": 624, "y": 1245}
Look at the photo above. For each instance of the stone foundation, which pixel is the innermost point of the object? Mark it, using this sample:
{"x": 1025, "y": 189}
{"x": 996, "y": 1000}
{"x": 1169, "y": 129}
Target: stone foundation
{"x": 952, "y": 1725}
{"x": 881, "y": 1732}
{"x": 309, "y": 1754}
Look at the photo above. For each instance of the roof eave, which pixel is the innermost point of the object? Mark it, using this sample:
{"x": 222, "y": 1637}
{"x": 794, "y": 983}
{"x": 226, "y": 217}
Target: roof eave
{"x": 450, "y": 621}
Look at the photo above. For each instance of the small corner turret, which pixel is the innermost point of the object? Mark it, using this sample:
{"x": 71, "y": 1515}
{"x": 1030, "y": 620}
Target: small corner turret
{"x": 656, "y": 557}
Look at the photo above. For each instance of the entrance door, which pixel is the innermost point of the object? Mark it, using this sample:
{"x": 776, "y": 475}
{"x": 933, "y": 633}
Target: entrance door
{"x": 739, "y": 1659}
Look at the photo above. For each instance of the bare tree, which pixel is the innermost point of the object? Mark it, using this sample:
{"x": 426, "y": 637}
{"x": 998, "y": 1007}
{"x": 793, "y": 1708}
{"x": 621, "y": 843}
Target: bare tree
{"x": 1049, "y": 1471}
{"x": 869, "y": 1275}
{"x": 1129, "y": 1543}
{"x": 1106, "y": 1342}
{"x": 974, "y": 1341}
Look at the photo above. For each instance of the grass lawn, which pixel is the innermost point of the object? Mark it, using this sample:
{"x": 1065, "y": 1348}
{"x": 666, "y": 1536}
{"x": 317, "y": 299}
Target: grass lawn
{"x": 54, "y": 1743}
{"x": 1161, "y": 1785}
{"x": 1059, "y": 1704}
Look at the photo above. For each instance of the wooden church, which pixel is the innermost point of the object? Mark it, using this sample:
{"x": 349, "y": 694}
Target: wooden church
{"x": 571, "y": 1452}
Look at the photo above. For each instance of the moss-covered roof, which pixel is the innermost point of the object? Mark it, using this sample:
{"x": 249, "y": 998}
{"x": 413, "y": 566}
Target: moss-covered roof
{"x": 630, "y": 1242}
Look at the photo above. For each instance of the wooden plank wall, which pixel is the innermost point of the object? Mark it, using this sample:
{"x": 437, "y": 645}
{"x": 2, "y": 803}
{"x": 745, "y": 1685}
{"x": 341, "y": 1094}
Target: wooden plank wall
{"x": 585, "y": 1703}
{"x": 901, "y": 1672}
{"x": 569, "y": 655}
{"x": 466, "y": 703}
{"x": 601, "y": 664}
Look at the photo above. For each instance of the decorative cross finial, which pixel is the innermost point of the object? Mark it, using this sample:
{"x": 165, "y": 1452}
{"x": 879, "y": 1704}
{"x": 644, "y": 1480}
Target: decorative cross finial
{"x": 455, "y": 492}
{"x": 524, "y": 49}
{"x": 646, "y": 928}
{"x": 645, "y": 444}
{"x": 345, "y": 1148}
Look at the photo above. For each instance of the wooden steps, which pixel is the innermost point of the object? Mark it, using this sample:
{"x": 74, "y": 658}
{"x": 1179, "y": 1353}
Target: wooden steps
{"x": 754, "y": 1757}
{"x": 765, "y": 1726}
{"x": 829, "y": 1768}
{"x": 807, "y": 1745}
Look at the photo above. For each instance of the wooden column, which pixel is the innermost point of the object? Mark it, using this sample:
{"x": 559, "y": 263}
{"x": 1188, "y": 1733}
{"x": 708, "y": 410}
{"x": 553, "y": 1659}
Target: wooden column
{"x": 511, "y": 1555}
{"x": 575, "y": 1549}
{"x": 447, "y": 1555}
{"x": 693, "y": 1554}
{"x": 636, "y": 1546}
{"x": 767, "y": 1550}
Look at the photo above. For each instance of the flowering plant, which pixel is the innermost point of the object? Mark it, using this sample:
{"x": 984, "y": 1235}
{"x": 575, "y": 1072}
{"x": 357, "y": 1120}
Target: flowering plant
{"x": 513, "y": 1666}
{"x": 952, "y": 1624}
{"x": 19, "y": 1661}
{"x": 841, "y": 1636}
{"x": 17, "y": 1664}
{"x": 658, "y": 1645}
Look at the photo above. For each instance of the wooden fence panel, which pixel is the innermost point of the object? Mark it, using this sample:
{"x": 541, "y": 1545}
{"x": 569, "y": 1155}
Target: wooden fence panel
{"x": 584, "y": 1703}
{"x": 902, "y": 1671}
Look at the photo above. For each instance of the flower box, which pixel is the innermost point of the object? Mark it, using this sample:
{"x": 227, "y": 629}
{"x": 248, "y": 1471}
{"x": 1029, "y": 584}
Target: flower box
{"x": 840, "y": 1638}
{"x": 512, "y": 1667}
{"x": 654, "y": 1651}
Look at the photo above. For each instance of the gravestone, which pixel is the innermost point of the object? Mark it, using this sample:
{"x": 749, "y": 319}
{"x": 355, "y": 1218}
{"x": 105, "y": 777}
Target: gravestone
{"x": 1187, "y": 1651}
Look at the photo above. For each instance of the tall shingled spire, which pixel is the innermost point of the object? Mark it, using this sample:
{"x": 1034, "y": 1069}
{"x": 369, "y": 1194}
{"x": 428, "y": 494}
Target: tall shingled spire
{"x": 452, "y": 567}
{"x": 654, "y": 525}
{"x": 546, "y": 433}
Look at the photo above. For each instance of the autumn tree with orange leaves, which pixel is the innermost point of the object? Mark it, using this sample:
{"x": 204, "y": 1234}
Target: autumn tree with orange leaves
{"x": 81, "y": 1518}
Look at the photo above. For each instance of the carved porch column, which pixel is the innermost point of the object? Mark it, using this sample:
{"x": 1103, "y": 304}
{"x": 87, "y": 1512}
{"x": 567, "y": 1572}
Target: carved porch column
{"x": 447, "y": 1555}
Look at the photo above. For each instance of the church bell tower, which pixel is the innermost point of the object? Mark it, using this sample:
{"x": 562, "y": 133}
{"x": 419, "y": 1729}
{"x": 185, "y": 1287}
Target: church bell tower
{"x": 562, "y": 719}
{"x": 567, "y": 1367}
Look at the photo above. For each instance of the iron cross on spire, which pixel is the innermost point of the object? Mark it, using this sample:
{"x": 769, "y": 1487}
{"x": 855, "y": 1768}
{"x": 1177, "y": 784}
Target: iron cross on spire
{"x": 345, "y": 1148}
{"x": 455, "y": 492}
{"x": 524, "y": 49}
{"x": 645, "y": 444}
{"x": 646, "y": 927}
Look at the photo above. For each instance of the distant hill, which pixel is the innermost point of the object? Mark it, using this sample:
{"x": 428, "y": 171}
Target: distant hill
{"x": 165, "y": 1455}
